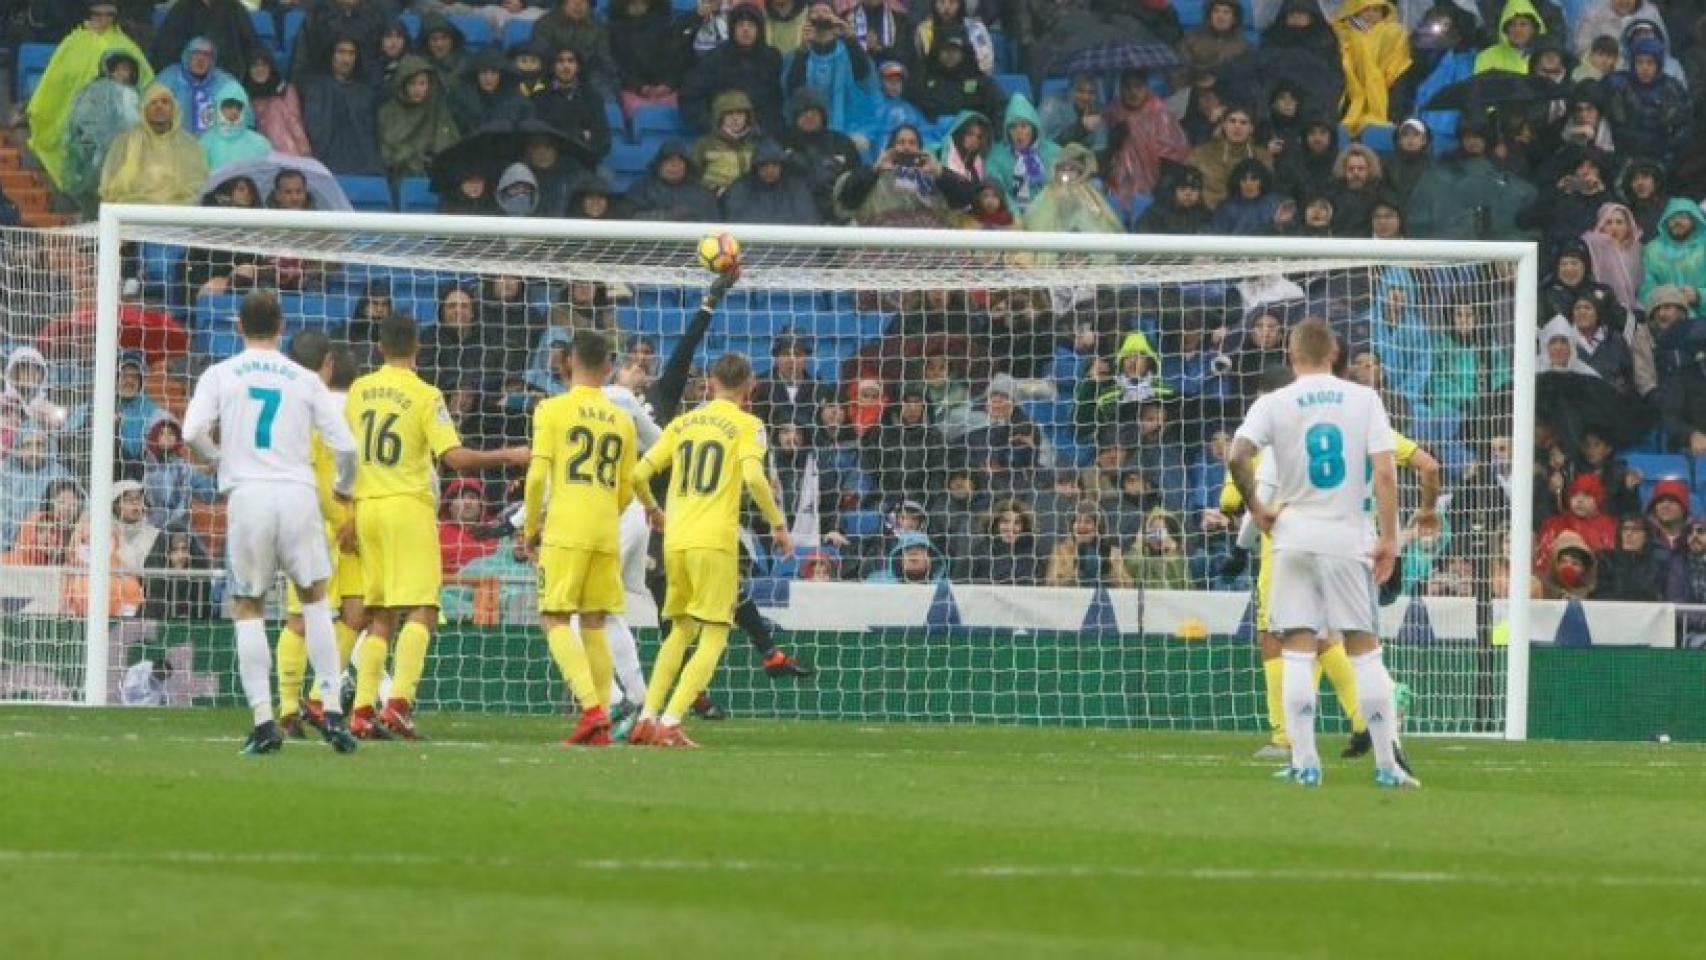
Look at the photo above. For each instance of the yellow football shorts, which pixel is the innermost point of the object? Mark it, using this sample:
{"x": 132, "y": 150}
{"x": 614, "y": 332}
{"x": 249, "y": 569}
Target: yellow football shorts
{"x": 578, "y": 580}
{"x": 345, "y": 580}
{"x": 398, "y": 537}
{"x": 1265, "y": 584}
{"x": 703, "y": 584}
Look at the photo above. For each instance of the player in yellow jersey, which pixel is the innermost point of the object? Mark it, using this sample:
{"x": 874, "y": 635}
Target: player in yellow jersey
{"x": 1331, "y": 659}
{"x": 402, "y": 429}
{"x": 336, "y": 367}
{"x": 715, "y": 452}
{"x": 580, "y": 481}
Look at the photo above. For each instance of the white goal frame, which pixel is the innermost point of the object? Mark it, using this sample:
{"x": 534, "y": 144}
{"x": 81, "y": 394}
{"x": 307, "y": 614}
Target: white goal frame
{"x": 116, "y": 220}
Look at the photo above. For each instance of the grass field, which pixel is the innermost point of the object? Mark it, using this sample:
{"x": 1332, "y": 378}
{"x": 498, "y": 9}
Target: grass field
{"x": 142, "y": 834}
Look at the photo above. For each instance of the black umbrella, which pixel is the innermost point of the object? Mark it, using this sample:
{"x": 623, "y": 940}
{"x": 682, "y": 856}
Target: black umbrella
{"x": 1487, "y": 90}
{"x": 493, "y": 147}
{"x": 1574, "y": 403}
{"x": 1105, "y": 58}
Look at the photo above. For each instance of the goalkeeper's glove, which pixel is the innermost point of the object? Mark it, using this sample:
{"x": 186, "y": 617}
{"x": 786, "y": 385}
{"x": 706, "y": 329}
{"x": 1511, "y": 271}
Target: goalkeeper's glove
{"x": 721, "y": 286}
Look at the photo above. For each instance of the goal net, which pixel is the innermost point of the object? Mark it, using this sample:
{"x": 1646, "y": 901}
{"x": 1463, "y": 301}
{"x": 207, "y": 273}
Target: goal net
{"x": 1001, "y": 454}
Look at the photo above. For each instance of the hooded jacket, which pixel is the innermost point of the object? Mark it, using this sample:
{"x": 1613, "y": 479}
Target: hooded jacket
{"x": 143, "y": 166}
{"x": 577, "y": 111}
{"x": 952, "y": 154}
{"x": 22, "y": 486}
{"x": 474, "y": 107}
{"x": 229, "y": 141}
{"x": 278, "y": 110}
{"x": 365, "y": 22}
{"x": 1072, "y": 201}
{"x": 943, "y": 92}
{"x": 1638, "y": 575}
{"x": 1404, "y": 170}
{"x": 224, "y": 22}
{"x": 787, "y": 201}
{"x": 891, "y": 571}
{"x": 1468, "y": 198}
{"x": 514, "y": 175}
{"x": 198, "y": 103}
{"x": 689, "y": 201}
{"x": 841, "y": 75}
{"x": 342, "y": 119}
{"x": 1648, "y": 211}
{"x": 1373, "y": 60}
{"x": 755, "y": 71}
{"x": 411, "y": 134}
{"x": 1667, "y": 261}
{"x": 79, "y": 60}
{"x": 821, "y": 157}
{"x": 1205, "y": 49}
{"x": 721, "y": 161}
{"x": 650, "y": 49}
{"x": 1159, "y": 571}
{"x": 1654, "y": 119}
{"x": 1166, "y": 216}
{"x": 1555, "y": 588}
{"x": 1021, "y": 175}
{"x": 1502, "y": 55}
{"x": 586, "y": 37}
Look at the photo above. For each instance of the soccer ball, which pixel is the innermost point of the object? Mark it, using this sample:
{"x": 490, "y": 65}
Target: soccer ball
{"x": 719, "y": 252}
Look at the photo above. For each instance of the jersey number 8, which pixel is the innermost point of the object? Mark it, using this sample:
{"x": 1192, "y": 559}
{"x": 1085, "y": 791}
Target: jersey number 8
{"x": 1325, "y": 446}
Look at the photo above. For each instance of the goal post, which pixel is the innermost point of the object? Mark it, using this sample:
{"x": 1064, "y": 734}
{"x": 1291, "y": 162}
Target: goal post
{"x": 928, "y": 287}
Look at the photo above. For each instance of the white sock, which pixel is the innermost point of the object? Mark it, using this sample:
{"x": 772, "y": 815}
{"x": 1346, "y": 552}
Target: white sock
{"x": 1374, "y": 698}
{"x": 322, "y": 643}
{"x": 625, "y": 654}
{"x": 671, "y": 720}
{"x": 254, "y": 667}
{"x": 1300, "y": 697}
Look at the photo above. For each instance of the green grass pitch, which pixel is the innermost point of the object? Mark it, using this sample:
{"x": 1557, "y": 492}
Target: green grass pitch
{"x": 143, "y": 834}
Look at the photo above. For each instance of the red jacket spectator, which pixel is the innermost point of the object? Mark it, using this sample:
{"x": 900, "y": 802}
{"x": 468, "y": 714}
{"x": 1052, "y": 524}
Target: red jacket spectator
{"x": 463, "y": 512}
{"x": 1582, "y": 517}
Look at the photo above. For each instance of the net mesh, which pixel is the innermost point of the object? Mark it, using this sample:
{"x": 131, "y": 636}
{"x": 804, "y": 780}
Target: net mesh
{"x": 1004, "y": 469}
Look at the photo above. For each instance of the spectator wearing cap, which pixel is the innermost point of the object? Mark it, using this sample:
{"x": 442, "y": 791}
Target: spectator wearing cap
{"x": 1668, "y": 341}
{"x": 650, "y": 52}
{"x": 821, "y": 154}
{"x": 788, "y": 393}
{"x": 570, "y": 24}
{"x": 746, "y": 64}
{"x": 1581, "y": 514}
{"x": 1676, "y": 255}
{"x": 1374, "y": 53}
{"x": 1412, "y": 154}
{"x": 671, "y": 189}
{"x": 1651, "y": 113}
{"x": 1234, "y": 142}
{"x": 890, "y": 108}
{"x": 195, "y": 82}
{"x": 223, "y": 23}
{"x": 949, "y": 83}
{"x": 1667, "y": 515}
{"x": 1179, "y": 208}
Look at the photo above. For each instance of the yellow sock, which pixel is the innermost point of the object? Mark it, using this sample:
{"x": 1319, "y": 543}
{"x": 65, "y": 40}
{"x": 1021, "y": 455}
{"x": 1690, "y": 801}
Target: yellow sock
{"x": 598, "y": 660}
{"x": 412, "y": 643}
{"x": 1343, "y": 676}
{"x": 369, "y": 668}
{"x": 292, "y": 666}
{"x": 713, "y": 637}
{"x": 668, "y": 665}
{"x": 1273, "y": 678}
{"x": 570, "y": 654}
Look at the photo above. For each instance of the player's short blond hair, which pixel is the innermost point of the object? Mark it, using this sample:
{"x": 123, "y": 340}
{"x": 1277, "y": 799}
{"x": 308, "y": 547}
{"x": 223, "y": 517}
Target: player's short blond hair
{"x": 732, "y": 371}
{"x": 1312, "y": 341}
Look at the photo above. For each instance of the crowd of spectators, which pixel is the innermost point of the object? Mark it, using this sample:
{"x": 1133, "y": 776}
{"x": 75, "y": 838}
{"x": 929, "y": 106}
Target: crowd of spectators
{"x": 1010, "y": 436}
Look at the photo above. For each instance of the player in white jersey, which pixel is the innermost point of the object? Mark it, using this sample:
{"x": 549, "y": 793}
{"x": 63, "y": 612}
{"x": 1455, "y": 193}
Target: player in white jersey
{"x": 1332, "y": 448}
{"x": 626, "y": 386}
{"x": 267, "y": 409}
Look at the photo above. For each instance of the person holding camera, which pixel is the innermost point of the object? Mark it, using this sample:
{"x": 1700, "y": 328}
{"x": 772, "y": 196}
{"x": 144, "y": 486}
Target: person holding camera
{"x": 833, "y": 65}
{"x": 906, "y": 187}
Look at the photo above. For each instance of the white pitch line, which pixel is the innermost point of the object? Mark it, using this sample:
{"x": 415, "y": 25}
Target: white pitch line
{"x": 992, "y": 872}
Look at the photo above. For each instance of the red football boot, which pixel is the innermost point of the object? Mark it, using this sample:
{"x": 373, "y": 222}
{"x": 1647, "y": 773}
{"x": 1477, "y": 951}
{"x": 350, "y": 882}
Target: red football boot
{"x": 645, "y": 734}
{"x": 363, "y": 725}
{"x": 593, "y": 730}
{"x": 398, "y": 719}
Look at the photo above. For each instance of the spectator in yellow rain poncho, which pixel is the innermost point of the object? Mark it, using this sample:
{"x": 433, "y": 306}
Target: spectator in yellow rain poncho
{"x": 75, "y": 64}
{"x": 1375, "y": 53}
{"x": 156, "y": 161}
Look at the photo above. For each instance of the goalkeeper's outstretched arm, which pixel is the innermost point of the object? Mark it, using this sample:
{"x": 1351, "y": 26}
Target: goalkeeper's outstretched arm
{"x": 672, "y": 383}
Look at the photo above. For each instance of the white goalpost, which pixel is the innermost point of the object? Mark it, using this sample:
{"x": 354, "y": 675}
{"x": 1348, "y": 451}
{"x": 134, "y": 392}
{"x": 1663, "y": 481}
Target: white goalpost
{"x": 1043, "y": 543}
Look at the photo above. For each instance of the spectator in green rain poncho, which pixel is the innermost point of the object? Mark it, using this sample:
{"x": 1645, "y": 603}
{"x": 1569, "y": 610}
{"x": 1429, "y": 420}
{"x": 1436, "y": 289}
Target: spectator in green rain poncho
{"x": 76, "y": 63}
{"x": 104, "y": 110}
{"x": 1071, "y": 202}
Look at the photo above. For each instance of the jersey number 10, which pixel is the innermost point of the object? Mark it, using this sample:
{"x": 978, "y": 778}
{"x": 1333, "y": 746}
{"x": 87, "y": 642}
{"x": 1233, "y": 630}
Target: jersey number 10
{"x": 699, "y": 467}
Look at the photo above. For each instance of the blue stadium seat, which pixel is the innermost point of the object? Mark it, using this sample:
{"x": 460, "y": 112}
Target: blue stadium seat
{"x": 415, "y": 195}
{"x": 368, "y": 193}
{"x": 1006, "y": 52}
{"x": 659, "y": 123}
{"x": 161, "y": 270}
{"x": 1014, "y": 83}
{"x": 618, "y": 122}
{"x": 629, "y": 159}
{"x": 476, "y": 33}
{"x": 293, "y": 22}
{"x": 412, "y": 24}
{"x": 32, "y": 63}
{"x": 652, "y": 322}
{"x": 862, "y": 523}
{"x": 265, "y": 29}
{"x": 1654, "y": 467}
{"x": 1378, "y": 139}
{"x": 517, "y": 33}
{"x": 1056, "y": 87}
{"x": 658, "y": 298}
